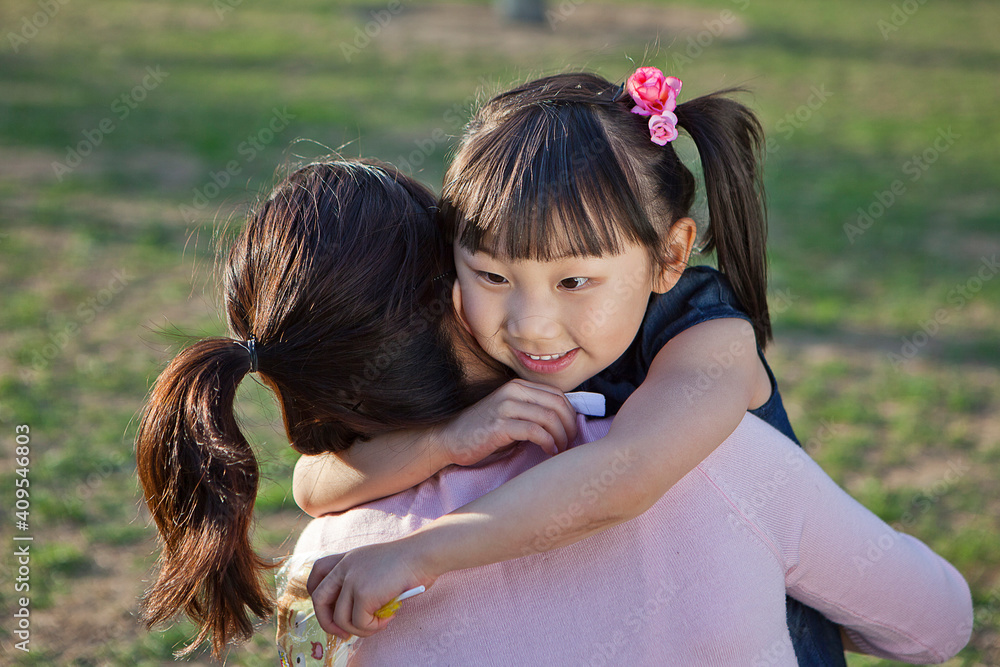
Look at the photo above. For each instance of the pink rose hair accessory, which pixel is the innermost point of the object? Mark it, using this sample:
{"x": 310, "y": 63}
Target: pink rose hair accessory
{"x": 663, "y": 128}
{"x": 655, "y": 95}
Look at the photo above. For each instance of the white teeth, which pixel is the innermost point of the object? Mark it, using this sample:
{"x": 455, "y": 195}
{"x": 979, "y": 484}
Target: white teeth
{"x": 546, "y": 357}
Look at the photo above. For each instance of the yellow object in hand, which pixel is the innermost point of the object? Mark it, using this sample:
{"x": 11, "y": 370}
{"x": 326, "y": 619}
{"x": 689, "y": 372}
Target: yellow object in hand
{"x": 388, "y": 609}
{"x": 391, "y": 607}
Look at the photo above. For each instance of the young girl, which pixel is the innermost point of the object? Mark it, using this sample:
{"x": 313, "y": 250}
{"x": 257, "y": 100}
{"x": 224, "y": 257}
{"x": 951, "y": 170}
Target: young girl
{"x": 568, "y": 208}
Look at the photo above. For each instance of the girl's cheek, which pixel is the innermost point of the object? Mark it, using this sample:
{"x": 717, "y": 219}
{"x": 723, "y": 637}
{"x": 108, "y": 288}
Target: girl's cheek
{"x": 458, "y": 303}
{"x": 477, "y": 304}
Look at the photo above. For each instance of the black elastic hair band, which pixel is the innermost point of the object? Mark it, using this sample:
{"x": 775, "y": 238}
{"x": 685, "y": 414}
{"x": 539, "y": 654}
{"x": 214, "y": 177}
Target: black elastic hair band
{"x": 250, "y": 345}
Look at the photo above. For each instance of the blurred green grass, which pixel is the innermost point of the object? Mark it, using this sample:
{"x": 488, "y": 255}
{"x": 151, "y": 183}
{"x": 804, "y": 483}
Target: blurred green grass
{"x": 81, "y": 349}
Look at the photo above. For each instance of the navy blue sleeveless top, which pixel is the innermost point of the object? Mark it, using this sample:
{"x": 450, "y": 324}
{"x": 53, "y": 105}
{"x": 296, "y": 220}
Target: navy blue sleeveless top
{"x": 701, "y": 294}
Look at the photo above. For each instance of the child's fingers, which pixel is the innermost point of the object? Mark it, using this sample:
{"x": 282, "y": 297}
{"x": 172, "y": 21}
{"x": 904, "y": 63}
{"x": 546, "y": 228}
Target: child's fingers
{"x": 556, "y": 400}
{"x": 366, "y": 622}
{"x": 550, "y": 399}
{"x": 350, "y": 615}
{"x": 529, "y": 431}
{"x": 320, "y": 568}
{"x": 325, "y": 598}
{"x": 544, "y": 394}
{"x": 538, "y": 385}
{"x": 545, "y": 418}
{"x": 342, "y": 611}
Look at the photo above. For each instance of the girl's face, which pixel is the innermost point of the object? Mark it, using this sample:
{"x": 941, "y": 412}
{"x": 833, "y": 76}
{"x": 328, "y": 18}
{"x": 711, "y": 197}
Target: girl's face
{"x": 558, "y": 322}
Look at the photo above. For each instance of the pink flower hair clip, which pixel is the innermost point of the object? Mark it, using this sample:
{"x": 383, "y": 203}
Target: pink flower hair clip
{"x": 655, "y": 95}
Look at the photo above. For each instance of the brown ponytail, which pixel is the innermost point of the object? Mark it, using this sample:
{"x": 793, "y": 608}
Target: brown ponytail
{"x": 730, "y": 143}
{"x": 200, "y": 480}
{"x": 333, "y": 276}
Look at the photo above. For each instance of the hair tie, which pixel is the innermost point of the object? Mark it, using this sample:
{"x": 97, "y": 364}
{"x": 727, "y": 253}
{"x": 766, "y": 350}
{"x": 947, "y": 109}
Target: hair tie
{"x": 655, "y": 95}
{"x": 250, "y": 345}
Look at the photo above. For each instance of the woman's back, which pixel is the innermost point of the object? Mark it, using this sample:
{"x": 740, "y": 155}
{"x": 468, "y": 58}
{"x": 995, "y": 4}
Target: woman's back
{"x": 698, "y": 579}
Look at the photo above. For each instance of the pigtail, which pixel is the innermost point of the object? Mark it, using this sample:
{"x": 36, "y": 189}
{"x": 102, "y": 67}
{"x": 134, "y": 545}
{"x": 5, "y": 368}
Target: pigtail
{"x": 730, "y": 143}
{"x": 200, "y": 481}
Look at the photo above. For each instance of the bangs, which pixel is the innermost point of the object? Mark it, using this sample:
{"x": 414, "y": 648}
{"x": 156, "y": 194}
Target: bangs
{"x": 543, "y": 184}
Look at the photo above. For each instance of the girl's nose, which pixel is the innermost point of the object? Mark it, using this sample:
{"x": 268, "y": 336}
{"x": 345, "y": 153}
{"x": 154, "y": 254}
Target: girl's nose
{"x": 534, "y": 327}
{"x": 532, "y": 320}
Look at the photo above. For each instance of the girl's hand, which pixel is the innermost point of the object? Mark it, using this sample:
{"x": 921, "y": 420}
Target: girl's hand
{"x": 347, "y": 589}
{"x": 519, "y": 410}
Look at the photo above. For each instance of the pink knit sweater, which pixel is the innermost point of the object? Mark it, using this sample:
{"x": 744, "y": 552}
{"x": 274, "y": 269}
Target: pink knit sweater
{"x": 699, "y": 579}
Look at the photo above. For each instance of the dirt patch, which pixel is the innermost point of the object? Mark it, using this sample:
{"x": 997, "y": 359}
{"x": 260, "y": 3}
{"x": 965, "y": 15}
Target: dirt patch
{"x": 168, "y": 171}
{"x": 569, "y": 28}
{"x": 99, "y": 611}
{"x": 933, "y": 473}
{"x": 165, "y": 170}
{"x": 26, "y": 166}
{"x": 109, "y": 592}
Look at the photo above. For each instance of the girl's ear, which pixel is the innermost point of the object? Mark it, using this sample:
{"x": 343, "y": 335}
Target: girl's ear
{"x": 680, "y": 241}
{"x": 456, "y": 301}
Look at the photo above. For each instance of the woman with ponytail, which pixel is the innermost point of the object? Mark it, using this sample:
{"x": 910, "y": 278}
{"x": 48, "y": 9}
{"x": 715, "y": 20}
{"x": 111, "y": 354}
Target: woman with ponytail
{"x": 340, "y": 327}
{"x": 569, "y": 213}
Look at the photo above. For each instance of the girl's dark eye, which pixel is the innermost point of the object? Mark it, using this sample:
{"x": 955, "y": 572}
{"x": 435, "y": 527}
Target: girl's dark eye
{"x": 493, "y": 278}
{"x": 573, "y": 283}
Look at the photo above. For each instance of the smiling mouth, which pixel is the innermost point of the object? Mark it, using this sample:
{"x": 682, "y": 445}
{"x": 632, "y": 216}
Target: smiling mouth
{"x": 547, "y": 363}
{"x": 545, "y": 357}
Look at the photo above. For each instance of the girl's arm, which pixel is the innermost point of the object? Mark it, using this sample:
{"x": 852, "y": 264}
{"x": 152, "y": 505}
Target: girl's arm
{"x": 370, "y": 469}
{"x": 669, "y": 425}
{"x": 394, "y": 462}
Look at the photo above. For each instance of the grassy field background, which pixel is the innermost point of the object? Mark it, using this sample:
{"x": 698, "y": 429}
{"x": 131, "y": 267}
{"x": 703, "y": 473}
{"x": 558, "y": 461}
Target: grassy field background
{"x": 130, "y": 132}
